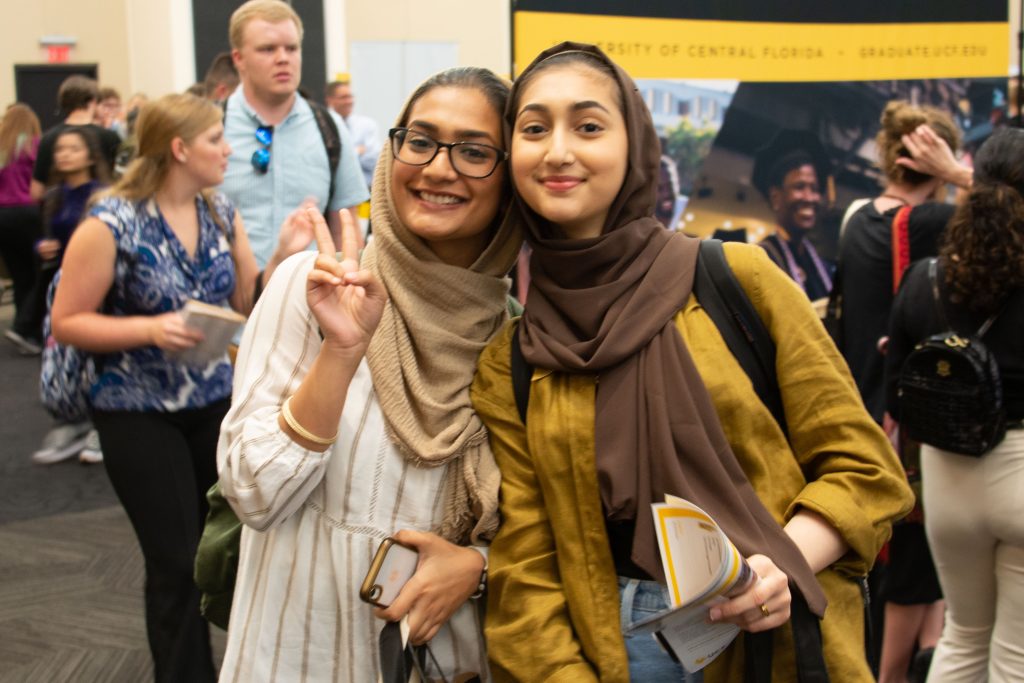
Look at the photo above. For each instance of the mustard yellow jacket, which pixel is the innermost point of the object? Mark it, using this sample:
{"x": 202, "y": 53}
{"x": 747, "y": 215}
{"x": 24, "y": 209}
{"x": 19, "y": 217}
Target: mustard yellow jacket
{"x": 553, "y": 603}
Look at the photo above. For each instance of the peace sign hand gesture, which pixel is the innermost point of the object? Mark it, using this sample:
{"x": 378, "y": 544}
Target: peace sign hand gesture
{"x": 346, "y": 301}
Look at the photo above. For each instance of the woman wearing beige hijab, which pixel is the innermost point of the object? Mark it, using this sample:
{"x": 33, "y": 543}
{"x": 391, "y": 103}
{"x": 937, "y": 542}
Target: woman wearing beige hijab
{"x": 351, "y": 419}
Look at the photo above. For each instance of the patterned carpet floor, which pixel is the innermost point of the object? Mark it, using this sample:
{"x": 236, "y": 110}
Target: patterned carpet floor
{"x": 71, "y": 574}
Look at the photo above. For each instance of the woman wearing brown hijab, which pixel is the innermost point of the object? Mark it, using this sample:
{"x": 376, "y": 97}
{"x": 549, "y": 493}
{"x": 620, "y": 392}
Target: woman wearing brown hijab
{"x": 635, "y": 395}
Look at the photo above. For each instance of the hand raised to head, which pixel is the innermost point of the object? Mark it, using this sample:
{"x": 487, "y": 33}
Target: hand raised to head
{"x": 347, "y": 302}
{"x": 929, "y": 154}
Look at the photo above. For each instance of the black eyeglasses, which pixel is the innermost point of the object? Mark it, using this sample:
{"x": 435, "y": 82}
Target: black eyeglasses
{"x": 471, "y": 159}
{"x": 261, "y": 157}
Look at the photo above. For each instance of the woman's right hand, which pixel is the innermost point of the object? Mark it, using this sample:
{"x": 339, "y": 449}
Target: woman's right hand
{"x": 346, "y": 301}
{"x": 169, "y": 332}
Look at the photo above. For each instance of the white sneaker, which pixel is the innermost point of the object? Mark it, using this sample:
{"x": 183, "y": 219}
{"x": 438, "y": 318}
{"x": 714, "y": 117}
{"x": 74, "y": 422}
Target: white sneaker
{"x": 91, "y": 453}
{"x": 61, "y": 443}
{"x": 26, "y": 346}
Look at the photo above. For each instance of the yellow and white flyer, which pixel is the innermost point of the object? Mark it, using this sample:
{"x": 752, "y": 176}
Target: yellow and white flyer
{"x": 702, "y": 567}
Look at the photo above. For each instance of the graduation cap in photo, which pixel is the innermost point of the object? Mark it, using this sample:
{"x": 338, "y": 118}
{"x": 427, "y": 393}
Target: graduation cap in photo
{"x": 727, "y": 235}
{"x": 789, "y": 149}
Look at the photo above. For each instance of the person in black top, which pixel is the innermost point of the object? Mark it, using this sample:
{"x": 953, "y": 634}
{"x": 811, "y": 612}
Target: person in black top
{"x": 865, "y": 249}
{"x": 907, "y": 587}
{"x": 974, "y": 507}
{"x": 789, "y": 172}
{"x": 77, "y": 99}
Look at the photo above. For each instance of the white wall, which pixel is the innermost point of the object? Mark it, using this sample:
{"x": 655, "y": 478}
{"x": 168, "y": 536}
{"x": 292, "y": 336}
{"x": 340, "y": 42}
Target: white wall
{"x": 139, "y": 45}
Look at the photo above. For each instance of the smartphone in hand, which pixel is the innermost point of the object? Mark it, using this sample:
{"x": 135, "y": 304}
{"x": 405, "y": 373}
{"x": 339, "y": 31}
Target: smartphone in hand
{"x": 392, "y": 566}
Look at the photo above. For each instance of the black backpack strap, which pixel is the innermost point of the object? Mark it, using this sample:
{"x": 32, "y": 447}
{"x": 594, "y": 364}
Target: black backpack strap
{"x": 521, "y": 374}
{"x": 332, "y": 141}
{"x": 810, "y": 654}
{"x": 728, "y": 306}
{"x": 810, "y": 657}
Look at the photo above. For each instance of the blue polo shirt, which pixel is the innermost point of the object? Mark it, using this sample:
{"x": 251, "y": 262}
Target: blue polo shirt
{"x": 298, "y": 169}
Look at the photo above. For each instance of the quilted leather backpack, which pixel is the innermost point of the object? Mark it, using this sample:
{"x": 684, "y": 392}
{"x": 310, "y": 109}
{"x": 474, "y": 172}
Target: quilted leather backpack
{"x": 950, "y": 392}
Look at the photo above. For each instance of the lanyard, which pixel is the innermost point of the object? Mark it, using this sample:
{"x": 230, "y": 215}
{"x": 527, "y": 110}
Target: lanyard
{"x": 797, "y": 273}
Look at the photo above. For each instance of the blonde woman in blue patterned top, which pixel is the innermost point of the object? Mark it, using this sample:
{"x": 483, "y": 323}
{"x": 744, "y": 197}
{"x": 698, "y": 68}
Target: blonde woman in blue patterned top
{"x": 158, "y": 238}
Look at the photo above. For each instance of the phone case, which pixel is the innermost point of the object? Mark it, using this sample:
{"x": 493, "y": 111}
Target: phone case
{"x": 392, "y": 566}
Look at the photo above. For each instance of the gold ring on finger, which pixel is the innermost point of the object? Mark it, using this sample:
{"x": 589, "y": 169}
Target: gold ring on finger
{"x": 765, "y": 612}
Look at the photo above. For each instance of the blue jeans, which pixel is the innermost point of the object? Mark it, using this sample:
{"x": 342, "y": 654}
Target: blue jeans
{"x": 648, "y": 662}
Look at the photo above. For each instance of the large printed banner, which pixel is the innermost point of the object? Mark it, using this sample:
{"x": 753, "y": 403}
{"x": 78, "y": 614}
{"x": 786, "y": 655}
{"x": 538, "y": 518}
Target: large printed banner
{"x": 748, "y": 40}
{"x": 724, "y": 79}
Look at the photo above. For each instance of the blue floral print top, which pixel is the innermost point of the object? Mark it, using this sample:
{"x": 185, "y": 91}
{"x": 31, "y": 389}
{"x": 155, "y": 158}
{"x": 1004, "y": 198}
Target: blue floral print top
{"x": 153, "y": 275}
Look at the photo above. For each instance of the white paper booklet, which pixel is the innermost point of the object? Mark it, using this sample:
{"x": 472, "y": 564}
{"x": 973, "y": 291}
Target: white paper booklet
{"x": 218, "y": 326}
{"x": 702, "y": 567}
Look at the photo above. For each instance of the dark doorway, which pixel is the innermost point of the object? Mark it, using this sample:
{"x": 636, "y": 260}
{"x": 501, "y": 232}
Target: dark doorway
{"x": 210, "y": 19}
{"x": 36, "y": 85}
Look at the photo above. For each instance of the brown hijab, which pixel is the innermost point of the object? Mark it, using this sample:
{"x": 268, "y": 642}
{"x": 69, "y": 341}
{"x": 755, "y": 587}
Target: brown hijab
{"x": 607, "y": 306}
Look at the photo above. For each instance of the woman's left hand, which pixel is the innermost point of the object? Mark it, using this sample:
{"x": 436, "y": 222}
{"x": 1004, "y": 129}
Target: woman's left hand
{"x": 446, "y": 575}
{"x": 296, "y": 231}
{"x": 764, "y": 605}
{"x": 48, "y": 249}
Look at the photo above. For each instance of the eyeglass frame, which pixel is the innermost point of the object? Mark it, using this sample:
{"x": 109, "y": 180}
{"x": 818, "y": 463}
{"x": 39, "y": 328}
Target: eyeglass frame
{"x": 260, "y": 165}
{"x": 394, "y": 132}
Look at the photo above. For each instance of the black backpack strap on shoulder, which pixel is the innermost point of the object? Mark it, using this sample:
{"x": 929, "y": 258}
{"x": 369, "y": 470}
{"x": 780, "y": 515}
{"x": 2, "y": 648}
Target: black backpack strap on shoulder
{"x": 332, "y": 140}
{"x": 740, "y": 325}
{"x": 810, "y": 655}
{"x": 521, "y": 374}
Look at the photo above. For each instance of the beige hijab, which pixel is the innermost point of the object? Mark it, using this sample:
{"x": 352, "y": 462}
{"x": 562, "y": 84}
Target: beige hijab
{"x": 423, "y": 355}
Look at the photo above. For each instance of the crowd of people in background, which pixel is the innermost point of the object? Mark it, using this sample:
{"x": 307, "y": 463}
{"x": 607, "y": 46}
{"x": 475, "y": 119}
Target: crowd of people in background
{"x": 374, "y": 392}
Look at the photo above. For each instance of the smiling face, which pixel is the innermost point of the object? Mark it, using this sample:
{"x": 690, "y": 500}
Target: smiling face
{"x": 797, "y": 202}
{"x": 269, "y": 62}
{"x": 569, "y": 147}
{"x": 206, "y": 156}
{"x": 71, "y": 154}
{"x": 450, "y": 212}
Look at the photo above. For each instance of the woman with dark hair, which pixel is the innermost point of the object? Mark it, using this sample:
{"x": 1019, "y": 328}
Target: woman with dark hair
{"x": 78, "y": 171}
{"x": 352, "y": 421}
{"x": 635, "y": 395}
{"x": 974, "y": 510}
{"x": 19, "y": 215}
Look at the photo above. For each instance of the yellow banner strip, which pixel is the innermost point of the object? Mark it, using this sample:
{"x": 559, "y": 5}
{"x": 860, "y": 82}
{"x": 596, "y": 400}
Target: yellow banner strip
{"x": 755, "y": 51}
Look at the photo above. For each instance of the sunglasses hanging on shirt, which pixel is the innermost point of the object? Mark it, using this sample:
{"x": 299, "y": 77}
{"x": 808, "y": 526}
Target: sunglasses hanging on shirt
{"x": 261, "y": 157}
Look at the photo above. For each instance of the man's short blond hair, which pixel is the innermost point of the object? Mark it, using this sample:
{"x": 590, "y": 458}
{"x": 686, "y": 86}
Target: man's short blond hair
{"x": 270, "y": 11}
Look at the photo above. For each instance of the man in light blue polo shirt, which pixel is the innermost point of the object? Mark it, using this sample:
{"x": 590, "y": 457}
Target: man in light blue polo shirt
{"x": 278, "y": 155}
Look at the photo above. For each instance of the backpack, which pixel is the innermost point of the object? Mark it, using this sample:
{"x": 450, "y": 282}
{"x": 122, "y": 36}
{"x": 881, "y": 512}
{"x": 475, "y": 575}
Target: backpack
{"x": 67, "y": 373}
{"x": 949, "y": 390}
{"x": 328, "y": 133}
{"x": 727, "y": 304}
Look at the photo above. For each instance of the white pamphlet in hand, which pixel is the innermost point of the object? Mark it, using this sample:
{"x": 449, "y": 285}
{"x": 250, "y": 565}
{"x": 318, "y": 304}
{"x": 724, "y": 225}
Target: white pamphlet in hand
{"x": 218, "y": 325}
{"x": 702, "y": 567}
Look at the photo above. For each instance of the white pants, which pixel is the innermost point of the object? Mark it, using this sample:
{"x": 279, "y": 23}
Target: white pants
{"x": 974, "y": 516}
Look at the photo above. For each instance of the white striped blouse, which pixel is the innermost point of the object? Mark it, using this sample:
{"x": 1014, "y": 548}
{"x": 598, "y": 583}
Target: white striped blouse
{"x": 314, "y": 521}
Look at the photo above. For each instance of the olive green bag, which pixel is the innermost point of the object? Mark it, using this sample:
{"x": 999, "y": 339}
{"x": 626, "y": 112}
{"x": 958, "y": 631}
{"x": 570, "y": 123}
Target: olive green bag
{"x": 217, "y": 559}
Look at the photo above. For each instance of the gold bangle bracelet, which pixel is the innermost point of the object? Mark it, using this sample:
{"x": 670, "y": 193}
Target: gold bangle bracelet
{"x": 290, "y": 420}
